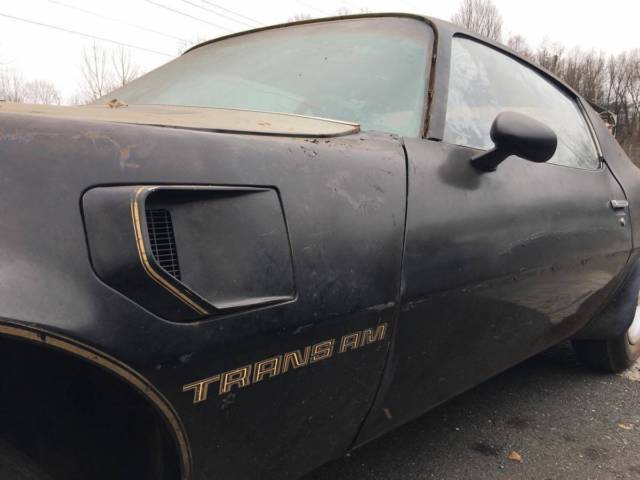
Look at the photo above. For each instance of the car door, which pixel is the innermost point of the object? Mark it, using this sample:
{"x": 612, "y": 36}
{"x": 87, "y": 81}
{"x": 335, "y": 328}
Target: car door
{"x": 497, "y": 266}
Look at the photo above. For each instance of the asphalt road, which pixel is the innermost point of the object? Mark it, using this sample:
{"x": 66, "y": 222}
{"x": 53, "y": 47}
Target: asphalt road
{"x": 564, "y": 421}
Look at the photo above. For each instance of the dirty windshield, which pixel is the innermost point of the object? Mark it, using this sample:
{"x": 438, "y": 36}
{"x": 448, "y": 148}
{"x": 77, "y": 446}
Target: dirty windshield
{"x": 367, "y": 70}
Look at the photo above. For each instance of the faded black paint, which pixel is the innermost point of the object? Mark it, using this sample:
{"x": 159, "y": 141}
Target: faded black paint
{"x": 496, "y": 268}
{"x": 344, "y": 201}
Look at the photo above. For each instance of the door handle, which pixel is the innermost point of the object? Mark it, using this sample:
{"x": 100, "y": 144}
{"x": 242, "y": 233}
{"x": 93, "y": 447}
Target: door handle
{"x": 617, "y": 204}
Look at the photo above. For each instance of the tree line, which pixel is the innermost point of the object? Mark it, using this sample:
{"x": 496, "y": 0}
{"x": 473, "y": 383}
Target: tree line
{"x": 609, "y": 81}
{"x": 102, "y": 70}
{"x": 14, "y": 88}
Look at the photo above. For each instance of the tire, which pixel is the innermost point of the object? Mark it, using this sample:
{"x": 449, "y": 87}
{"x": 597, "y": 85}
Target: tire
{"x": 612, "y": 355}
{"x": 14, "y": 465}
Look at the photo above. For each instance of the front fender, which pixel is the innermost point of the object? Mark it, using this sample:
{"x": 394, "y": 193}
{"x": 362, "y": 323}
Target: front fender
{"x": 344, "y": 200}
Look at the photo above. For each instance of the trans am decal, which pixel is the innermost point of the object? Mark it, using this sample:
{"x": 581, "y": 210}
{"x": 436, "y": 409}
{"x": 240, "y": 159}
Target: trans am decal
{"x": 270, "y": 367}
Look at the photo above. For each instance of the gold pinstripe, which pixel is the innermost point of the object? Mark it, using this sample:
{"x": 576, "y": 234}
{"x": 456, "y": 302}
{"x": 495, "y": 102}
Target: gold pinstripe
{"x": 144, "y": 259}
{"x": 122, "y": 371}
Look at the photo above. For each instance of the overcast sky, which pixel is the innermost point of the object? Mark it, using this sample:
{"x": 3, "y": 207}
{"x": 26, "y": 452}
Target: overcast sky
{"x": 157, "y": 30}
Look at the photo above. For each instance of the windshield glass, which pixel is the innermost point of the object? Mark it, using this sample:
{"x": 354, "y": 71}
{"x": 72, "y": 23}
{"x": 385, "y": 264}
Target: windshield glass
{"x": 366, "y": 70}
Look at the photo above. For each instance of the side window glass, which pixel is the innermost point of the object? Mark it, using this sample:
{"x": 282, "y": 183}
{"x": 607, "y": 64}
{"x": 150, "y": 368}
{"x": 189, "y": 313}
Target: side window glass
{"x": 485, "y": 82}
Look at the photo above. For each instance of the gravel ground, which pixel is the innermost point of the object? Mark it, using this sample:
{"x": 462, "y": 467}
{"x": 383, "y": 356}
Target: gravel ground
{"x": 565, "y": 422}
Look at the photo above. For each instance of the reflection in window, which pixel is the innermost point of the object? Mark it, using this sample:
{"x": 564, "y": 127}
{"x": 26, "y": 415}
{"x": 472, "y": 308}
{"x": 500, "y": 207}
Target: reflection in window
{"x": 485, "y": 82}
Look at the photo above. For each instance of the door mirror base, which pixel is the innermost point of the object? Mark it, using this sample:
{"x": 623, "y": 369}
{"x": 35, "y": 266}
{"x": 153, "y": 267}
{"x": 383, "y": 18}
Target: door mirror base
{"x": 489, "y": 161}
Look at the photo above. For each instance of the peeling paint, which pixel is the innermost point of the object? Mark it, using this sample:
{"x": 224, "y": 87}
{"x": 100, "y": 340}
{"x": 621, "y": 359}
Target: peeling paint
{"x": 185, "y": 358}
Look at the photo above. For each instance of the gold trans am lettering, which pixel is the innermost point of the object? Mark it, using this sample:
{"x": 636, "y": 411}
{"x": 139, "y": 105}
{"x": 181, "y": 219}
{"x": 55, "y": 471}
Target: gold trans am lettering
{"x": 295, "y": 359}
{"x": 239, "y": 377}
{"x": 322, "y": 350}
{"x": 268, "y": 368}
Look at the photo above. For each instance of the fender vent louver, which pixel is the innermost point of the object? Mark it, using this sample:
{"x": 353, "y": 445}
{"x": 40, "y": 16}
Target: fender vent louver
{"x": 163, "y": 240}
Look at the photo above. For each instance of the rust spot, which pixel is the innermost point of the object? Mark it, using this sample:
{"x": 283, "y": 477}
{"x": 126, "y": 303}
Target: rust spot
{"x": 115, "y": 103}
{"x": 125, "y": 152}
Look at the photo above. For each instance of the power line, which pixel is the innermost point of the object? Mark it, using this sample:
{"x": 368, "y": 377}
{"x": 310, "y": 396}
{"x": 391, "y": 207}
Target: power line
{"x": 82, "y": 34}
{"x": 111, "y": 19}
{"x": 174, "y": 10}
{"x": 232, "y": 12}
{"x": 218, "y": 14}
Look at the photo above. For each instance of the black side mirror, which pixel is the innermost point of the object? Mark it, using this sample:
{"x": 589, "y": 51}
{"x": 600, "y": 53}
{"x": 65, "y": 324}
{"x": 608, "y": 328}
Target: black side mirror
{"x": 516, "y": 134}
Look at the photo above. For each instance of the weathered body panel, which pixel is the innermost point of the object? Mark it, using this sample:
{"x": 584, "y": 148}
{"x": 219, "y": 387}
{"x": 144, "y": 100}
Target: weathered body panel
{"x": 344, "y": 201}
{"x": 413, "y": 276}
{"x": 497, "y": 268}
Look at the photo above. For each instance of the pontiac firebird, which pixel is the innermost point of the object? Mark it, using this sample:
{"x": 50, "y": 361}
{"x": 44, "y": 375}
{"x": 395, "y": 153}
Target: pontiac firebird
{"x": 194, "y": 287}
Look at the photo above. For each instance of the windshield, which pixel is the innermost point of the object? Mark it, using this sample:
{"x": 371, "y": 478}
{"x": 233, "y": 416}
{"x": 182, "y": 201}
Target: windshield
{"x": 365, "y": 70}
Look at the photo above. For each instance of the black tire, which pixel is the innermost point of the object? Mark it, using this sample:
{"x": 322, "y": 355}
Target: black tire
{"x": 613, "y": 355}
{"x": 14, "y": 465}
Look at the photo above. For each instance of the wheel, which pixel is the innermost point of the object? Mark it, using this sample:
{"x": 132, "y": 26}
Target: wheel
{"x": 14, "y": 465}
{"x": 614, "y": 354}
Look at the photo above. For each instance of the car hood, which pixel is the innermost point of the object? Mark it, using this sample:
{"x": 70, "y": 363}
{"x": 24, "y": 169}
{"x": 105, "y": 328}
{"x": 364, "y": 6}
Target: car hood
{"x": 196, "y": 118}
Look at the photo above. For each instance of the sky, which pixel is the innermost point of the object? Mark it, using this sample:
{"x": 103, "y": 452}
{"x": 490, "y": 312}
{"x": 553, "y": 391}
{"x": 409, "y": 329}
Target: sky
{"x": 157, "y": 30}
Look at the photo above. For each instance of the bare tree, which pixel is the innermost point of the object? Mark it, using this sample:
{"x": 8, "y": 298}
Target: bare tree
{"x": 623, "y": 98}
{"x": 185, "y": 45}
{"x": 11, "y": 86}
{"x": 14, "y": 88}
{"x": 76, "y": 99}
{"x": 97, "y": 76}
{"x": 298, "y": 17}
{"x": 585, "y": 72}
{"x": 480, "y": 16}
{"x": 343, "y": 11}
{"x": 41, "y": 92}
{"x": 550, "y": 55}
{"x": 124, "y": 68}
{"x": 105, "y": 70}
{"x": 519, "y": 44}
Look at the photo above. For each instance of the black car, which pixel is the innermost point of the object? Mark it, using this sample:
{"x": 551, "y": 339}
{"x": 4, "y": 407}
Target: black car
{"x": 192, "y": 287}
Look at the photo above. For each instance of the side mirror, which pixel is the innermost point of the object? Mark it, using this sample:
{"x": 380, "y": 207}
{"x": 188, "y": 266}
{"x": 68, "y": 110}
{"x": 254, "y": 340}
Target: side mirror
{"x": 516, "y": 134}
